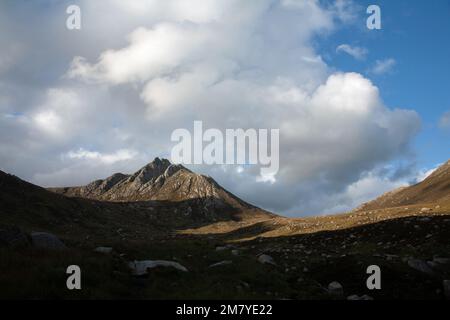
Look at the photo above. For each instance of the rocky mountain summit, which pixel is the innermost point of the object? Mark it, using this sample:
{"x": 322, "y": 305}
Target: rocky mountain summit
{"x": 162, "y": 181}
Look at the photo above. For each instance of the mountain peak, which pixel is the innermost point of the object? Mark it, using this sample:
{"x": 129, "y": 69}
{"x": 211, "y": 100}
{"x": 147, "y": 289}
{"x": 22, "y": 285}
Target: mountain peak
{"x": 157, "y": 162}
{"x": 156, "y": 165}
{"x": 160, "y": 180}
{"x": 151, "y": 171}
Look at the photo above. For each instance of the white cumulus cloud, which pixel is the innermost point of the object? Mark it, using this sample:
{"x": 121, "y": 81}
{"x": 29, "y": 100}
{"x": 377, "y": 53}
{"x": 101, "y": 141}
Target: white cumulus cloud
{"x": 358, "y": 53}
{"x": 142, "y": 69}
{"x": 383, "y": 66}
{"x": 107, "y": 158}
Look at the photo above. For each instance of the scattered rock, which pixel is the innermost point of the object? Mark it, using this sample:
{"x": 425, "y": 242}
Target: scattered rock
{"x": 105, "y": 250}
{"x": 235, "y": 252}
{"x": 266, "y": 259}
{"x": 218, "y": 249}
{"x": 335, "y": 289}
{"x": 44, "y": 240}
{"x": 140, "y": 268}
{"x": 426, "y": 210}
{"x": 13, "y": 237}
{"x": 221, "y": 263}
{"x": 421, "y": 266}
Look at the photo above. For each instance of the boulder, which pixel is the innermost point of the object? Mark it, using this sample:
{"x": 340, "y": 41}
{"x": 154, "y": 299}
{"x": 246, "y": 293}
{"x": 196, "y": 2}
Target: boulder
{"x": 13, "y": 237}
{"x": 336, "y": 289}
{"x": 235, "y": 252}
{"x": 266, "y": 259}
{"x": 104, "y": 250}
{"x": 420, "y": 266}
{"x": 44, "y": 240}
{"x": 221, "y": 263}
{"x": 140, "y": 268}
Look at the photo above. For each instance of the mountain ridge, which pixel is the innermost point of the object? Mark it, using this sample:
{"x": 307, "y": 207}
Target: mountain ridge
{"x": 433, "y": 189}
{"x": 161, "y": 180}
{"x": 145, "y": 184}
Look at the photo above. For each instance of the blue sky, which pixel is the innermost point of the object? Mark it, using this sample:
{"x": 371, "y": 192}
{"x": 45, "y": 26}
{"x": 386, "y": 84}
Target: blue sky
{"x": 416, "y": 34}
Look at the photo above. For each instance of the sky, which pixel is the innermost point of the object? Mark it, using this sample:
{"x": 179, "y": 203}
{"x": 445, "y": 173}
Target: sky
{"x": 360, "y": 111}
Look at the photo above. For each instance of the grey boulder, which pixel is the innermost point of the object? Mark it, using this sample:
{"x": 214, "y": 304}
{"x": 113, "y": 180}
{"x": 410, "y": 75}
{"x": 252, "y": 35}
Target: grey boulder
{"x": 335, "y": 289}
{"x": 104, "y": 250}
{"x": 420, "y": 266}
{"x": 221, "y": 263}
{"x": 140, "y": 268}
{"x": 44, "y": 240}
{"x": 266, "y": 259}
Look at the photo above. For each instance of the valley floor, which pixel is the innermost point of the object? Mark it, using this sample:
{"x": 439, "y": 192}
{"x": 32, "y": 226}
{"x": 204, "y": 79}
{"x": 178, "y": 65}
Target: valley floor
{"x": 301, "y": 258}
